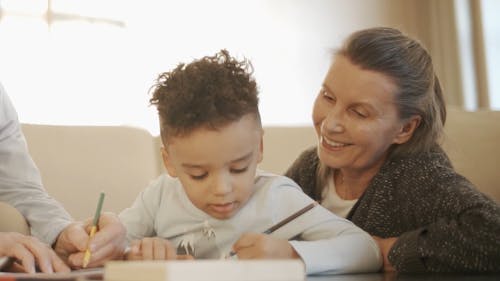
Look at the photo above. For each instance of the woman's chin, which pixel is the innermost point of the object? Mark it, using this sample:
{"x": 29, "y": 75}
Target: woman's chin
{"x": 329, "y": 160}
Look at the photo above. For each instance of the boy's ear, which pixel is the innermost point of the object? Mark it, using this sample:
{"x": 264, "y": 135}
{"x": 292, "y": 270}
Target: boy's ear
{"x": 407, "y": 130}
{"x": 261, "y": 150}
{"x": 166, "y": 162}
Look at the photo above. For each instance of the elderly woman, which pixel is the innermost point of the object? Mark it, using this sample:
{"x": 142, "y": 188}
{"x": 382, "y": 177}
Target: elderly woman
{"x": 379, "y": 117}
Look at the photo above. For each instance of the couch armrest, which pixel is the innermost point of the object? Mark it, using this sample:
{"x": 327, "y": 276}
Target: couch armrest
{"x": 12, "y": 220}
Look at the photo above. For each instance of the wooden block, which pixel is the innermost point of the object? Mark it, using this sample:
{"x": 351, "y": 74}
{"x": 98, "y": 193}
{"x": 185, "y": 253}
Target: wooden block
{"x": 205, "y": 270}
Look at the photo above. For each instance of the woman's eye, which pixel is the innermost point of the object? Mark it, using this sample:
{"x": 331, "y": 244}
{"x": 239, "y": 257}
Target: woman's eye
{"x": 198, "y": 177}
{"x": 328, "y": 97}
{"x": 239, "y": 171}
{"x": 360, "y": 114}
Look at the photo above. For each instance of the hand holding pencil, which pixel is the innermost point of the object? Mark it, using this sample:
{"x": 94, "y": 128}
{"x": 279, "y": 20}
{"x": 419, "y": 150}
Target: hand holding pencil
{"x": 263, "y": 245}
{"x": 108, "y": 241}
{"x": 93, "y": 230}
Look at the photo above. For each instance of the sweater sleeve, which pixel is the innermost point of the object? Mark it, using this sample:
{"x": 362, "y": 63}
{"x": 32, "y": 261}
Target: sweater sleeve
{"x": 20, "y": 181}
{"x": 463, "y": 236}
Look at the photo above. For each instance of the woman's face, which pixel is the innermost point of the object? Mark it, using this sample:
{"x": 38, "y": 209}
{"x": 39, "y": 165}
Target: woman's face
{"x": 355, "y": 117}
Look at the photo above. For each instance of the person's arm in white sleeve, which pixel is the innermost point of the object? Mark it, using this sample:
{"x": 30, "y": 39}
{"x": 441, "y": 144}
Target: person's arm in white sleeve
{"x": 326, "y": 243}
{"x": 336, "y": 246}
{"x": 331, "y": 244}
{"x": 20, "y": 181}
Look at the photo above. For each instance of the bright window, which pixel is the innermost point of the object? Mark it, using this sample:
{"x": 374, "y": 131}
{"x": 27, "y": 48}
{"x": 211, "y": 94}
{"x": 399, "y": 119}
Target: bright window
{"x": 93, "y": 62}
{"x": 491, "y": 32}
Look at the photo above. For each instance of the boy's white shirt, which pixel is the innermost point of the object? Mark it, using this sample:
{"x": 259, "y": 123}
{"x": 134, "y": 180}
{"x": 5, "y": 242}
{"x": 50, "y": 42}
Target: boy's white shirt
{"x": 325, "y": 242}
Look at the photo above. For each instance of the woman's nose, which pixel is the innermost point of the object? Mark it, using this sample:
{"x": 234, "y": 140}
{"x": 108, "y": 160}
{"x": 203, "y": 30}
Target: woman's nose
{"x": 333, "y": 122}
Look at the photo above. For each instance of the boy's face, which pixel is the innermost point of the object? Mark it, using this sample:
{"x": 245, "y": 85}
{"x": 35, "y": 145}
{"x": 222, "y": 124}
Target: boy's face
{"x": 217, "y": 167}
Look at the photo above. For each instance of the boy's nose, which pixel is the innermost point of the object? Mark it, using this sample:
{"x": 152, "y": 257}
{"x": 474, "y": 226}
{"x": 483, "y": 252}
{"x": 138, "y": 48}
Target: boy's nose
{"x": 222, "y": 185}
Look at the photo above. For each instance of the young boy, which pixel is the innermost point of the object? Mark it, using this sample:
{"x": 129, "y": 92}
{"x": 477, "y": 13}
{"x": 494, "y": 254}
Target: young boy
{"x": 214, "y": 200}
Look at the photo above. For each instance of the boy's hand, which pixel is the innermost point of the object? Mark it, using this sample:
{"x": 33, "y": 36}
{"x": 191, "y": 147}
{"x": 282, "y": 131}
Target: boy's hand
{"x": 152, "y": 248}
{"x": 385, "y": 246}
{"x": 262, "y": 246}
{"x": 108, "y": 243}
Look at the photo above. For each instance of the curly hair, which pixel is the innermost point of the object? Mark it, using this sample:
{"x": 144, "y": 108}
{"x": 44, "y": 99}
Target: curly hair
{"x": 209, "y": 92}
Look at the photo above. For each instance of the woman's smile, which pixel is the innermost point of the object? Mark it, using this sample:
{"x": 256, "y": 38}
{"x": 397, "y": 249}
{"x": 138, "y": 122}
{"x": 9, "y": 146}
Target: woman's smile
{"x": 332, "y": 145}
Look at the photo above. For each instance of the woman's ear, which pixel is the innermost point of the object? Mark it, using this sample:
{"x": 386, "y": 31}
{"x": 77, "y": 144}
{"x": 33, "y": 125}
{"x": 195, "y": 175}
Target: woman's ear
{"x": 407, "y": 130}
{"x": 167, "y": 163}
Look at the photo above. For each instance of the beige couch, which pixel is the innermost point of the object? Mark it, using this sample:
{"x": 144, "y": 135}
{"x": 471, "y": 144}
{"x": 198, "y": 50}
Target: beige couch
{"x": 77, "y": 162}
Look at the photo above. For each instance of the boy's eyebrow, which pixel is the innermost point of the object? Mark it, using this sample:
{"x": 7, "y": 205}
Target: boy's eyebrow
{"x": 244, "y": 157}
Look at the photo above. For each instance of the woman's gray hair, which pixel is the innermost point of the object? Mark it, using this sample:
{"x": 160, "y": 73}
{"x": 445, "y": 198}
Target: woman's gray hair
{"x": 409, "y": 65}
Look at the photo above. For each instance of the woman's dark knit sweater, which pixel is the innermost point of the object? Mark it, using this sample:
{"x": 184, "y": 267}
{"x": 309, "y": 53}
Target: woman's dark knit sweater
{"x": 443, "y": 222}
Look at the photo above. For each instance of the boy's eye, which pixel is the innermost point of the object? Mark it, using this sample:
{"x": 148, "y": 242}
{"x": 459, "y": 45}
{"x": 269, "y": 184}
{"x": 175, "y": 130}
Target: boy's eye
{"x": 198, "y": 177}
{"x": 239, "y": 171}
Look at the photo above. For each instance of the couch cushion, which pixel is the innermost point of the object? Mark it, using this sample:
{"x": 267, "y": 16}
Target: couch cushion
{"x": 282, "y": 145}
{"x": 77, "y": 162}
{"x": 472, "y": 141}
{"x": 12, "y": 220}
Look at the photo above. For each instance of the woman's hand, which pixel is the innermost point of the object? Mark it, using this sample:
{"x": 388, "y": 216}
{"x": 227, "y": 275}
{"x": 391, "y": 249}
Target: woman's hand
{"x": 29, "y": 251}
{"x": 262, "y": 246}
{"x": 108, "y": 243}
{"x": 385, "y": 245}
{"x": 152, "y": 248}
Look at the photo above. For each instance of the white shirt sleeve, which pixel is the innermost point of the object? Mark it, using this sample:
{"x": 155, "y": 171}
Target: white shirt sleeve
{"x": 327, "y": 243}
{"x": 139, "y": 219}
{"x": 20, "y": 181}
